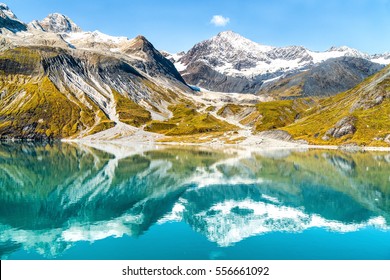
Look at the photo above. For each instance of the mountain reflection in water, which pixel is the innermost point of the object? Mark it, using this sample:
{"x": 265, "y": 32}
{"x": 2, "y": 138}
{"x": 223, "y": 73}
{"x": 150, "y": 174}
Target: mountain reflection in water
{"x": 52, "y": 197}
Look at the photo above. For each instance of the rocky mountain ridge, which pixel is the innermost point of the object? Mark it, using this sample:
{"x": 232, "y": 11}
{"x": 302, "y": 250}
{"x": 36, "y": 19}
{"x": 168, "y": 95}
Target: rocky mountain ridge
{"x": 56, "y": 23}
{"x": 327, "y": 78}
{"x": 52, "y": 65}
{"x": 57, "y": 81}
{"x": 9, "y": 20}
{"x": 229, "y": 62}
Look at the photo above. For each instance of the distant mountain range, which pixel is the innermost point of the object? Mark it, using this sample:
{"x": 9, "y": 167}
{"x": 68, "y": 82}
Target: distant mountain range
{"x": 57, "y": 81}
{"x": 327, "y": 78}
{"x": 229, "y": 62}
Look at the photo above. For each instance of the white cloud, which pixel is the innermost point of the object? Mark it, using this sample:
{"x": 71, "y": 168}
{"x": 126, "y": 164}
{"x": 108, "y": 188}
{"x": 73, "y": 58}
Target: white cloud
{"x": 219, "y": 20}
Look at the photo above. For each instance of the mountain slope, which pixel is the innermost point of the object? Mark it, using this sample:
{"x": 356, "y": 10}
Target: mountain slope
{"x": 57, "y": 81}
{"x": 91, "y": 91}
{"x": 229, "y": 62}
{"x": 32, "y": 106}
{"x": 53, "y": 87}
{"x": 153, "y": 62}
{"x": 360, "y": 116}
{"x": 324, "y": 79}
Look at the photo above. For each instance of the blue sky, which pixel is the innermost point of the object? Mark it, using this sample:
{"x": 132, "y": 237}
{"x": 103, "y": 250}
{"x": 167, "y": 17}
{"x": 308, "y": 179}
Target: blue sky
{"x": 175, "y": 25}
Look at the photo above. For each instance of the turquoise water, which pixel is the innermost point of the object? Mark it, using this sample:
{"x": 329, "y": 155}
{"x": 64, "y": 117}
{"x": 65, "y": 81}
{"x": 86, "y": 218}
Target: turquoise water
{"x": 113, "y": 202}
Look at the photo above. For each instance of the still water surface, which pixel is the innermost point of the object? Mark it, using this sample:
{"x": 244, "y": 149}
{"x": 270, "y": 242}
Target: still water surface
{"x": 70, "y": 201}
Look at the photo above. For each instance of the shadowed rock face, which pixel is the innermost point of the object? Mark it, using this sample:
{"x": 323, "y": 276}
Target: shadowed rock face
{"x": 155, "y": 64}
{"x": 105, "y": 68}
{"x": 202, "y": 75}
{"x": 328, "y": 78}
{"x": 13, "y": 67}
{"x": 12, "y": 25}
{"x": 338, "y": 75}
{"x": 9, "y": 21}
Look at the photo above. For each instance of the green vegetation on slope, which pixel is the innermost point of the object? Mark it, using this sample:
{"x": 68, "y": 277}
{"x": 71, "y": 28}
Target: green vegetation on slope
{"x": 130, "y": 112}
{"x": 372, "y": 125}
{"x": 359, "y": 116}
{"x": 247, "y": 114}
{"x": 187, "y": 121}
{"x": 21, "y": 59}
{"x": 36, "y": 109}
{"x": 286, "y": 87}
{"x": 32, "y": 107}
{"x": 372, "y": 121}
{"x": 230, "y": 108}
{"x": 277, "y": 114}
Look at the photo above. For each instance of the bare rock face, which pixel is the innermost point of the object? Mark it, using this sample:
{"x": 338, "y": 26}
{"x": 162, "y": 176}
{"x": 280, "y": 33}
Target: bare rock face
{"x": 344, "y": 127}
{"x": 372, "y": 97}
{"x": 324, "y": 79}
{"x": 338, "y": 75}
{"x": 153, "y": 62}
{"x": 282, "y": 136}
{"x": 277, "y": 134}
{"x": 202, "y": 75}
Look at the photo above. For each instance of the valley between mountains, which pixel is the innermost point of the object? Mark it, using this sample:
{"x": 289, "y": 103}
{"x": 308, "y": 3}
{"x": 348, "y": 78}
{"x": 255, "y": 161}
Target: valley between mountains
{"x": 60, "y": 82}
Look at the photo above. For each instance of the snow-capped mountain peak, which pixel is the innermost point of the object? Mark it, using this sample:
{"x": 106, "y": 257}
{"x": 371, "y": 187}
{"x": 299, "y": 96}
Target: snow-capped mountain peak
{"x": 5, "y": 10}
{"x": 340, "y": 49}
{"x": 9, "y": 21}
{"x": 95, "y": 36}
{"x": 230, "y": 39}
{"x": 335, "y": 52}
{"x": 232, "y": 36}
{"x": 347, "y": 51}
{"x": 381, "y": 58}
{"x": 245, "y": 65}
{"x": 56, "y": 23}
{"x": 233, "y": 55}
